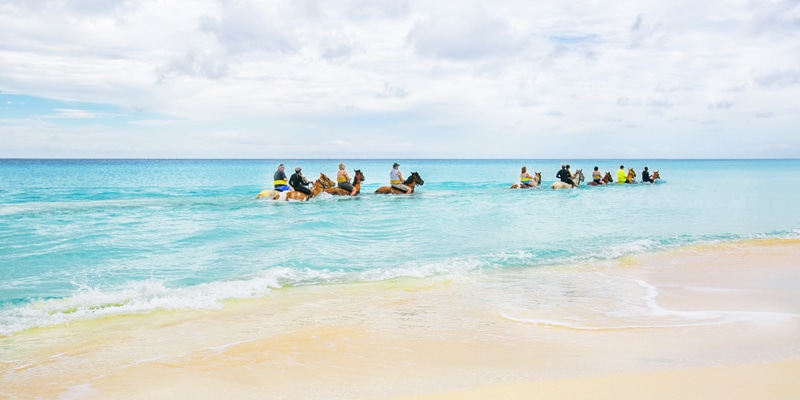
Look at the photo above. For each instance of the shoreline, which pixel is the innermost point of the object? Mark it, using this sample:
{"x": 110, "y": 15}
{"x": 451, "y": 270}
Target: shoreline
{"x": 718, "y": 310}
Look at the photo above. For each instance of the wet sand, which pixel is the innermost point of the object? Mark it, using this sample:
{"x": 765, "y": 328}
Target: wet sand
{"x": 716, "y": 321}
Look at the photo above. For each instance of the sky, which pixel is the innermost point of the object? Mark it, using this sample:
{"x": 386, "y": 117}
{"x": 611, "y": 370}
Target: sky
{"x": 404, "y": 79}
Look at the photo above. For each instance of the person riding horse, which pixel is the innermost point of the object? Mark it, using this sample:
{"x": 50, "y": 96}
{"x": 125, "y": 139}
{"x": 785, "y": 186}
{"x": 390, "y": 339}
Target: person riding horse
{"x": 622, "y": 176}
{"x": 279, "y": 180}
{"x": 299, "y": 183}
{"x": 526, "y": 180}
{"x": 564, "y": 175}
{"x": 396, "y": 179}
{"x": 646, "y": 176}
{"x": 597, "y": 176}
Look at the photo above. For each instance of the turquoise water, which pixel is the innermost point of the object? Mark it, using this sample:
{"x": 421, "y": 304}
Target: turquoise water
{"x": 86, "y": 238}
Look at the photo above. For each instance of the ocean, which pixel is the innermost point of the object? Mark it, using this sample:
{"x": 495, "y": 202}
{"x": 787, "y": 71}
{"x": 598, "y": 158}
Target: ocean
{"x": 85, "y": 239}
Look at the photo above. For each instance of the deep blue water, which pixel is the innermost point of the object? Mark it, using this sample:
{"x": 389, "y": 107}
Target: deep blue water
{"x": 83, "y": 238}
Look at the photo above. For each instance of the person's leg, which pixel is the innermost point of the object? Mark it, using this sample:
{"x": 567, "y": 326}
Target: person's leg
{"x": 402, "y": 187}
{"x": 348, "y": 187}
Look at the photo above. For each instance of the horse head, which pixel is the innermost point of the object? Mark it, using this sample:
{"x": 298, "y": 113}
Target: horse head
{"x": 656, "y": 175}
{"x": 415, "y": 179}
{"x": 537, "y": 177}
{"x": 631, "y": 178}
{"x": 578, "y": 176}
{"x": 358, "y": 176}
{"x": 324, "y": 181}
{"x": 607, "y": 178}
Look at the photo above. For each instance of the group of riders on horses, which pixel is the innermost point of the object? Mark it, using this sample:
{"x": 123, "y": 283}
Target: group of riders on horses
{"x": 567, "y": 177}
{"x": 298, "y": 183}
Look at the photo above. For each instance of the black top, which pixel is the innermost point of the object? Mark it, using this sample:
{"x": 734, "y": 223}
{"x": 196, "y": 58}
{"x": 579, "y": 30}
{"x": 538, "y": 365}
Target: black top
{"x": 563, "y": 174}
{"x": 297, "y": 180}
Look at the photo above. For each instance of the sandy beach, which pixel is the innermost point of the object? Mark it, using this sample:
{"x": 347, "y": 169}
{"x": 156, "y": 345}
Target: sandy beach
{"x": 712, "y": 321}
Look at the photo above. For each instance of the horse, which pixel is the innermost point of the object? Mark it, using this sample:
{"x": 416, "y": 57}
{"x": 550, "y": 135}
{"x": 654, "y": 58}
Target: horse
{"x": 631, "y": 178}
{"x": 268, "y": 194}
{"x": 653, "y": 177}
{"x": 319, "y": 185}
{"x": 358, "y": 177}
{"x": 606, "y": 179}
{"x": 577, "y": 177}
{"x": 411, "y": 181}
{"x": 537, "y": 179}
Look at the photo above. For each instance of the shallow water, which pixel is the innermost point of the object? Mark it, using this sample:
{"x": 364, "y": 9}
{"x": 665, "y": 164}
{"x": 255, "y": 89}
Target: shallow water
{"x": 86, "y": 238}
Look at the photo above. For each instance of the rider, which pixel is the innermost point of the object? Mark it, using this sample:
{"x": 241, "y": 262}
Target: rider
{"x": 280, "y": 180}
{"x": 646, "y": 176}
{"x": 525, "y": 179}
{"x": 564, "y": 175}
{"x": 597, "y": 177}
{"x": 396, "y": 179}
{"x": 299, "y": 182}
{"x": 622, "y": 176}
{"x": 344, "y": 180}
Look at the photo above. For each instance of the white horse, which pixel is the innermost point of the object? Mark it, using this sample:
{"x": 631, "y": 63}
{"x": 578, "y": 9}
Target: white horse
{"x": 268, "y": 194}
{"x": 577, "y": 177}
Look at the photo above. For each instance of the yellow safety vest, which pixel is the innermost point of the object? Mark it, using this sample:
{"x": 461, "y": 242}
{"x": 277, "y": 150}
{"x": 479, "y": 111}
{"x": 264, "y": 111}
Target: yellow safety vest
{"x": 622, "y": 176}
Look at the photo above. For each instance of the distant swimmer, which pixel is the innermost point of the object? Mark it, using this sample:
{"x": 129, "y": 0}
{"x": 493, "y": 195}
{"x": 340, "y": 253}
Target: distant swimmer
{"x": 622, "y": 176}
{"x": 646, "y": 176}
{"x": 279, "y": 180}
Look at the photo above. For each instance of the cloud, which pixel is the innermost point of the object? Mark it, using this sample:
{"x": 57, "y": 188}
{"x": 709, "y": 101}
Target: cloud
{"x": 774, "y": 17}
{"x": 392, "y": 92}
{"x": 378, "y": 9}
{"x": 338, "y": 53}
{"x": 81, "y": 114}
{"x": 720, "y": 105}
{"x": 658, "y": 102}
{"x": 75, "y": 8}
{"x": 466, "y": 36}
{"x": 236, "y": 77}
{"x": 242, "y": 28}
{"x": 779, "y": 79}
{"x": 194, "y": 63}
{"x": 641, "y": 33}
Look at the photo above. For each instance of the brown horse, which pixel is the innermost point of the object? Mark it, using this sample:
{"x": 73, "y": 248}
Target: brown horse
{"x": 357, "y": 179}
{"x": 631, "y": 178}
{"x": 319, "y": 185}
{"x": 537, "y": 179}
{"x": 606, "y": 179}
{"x": 411, "y": 181}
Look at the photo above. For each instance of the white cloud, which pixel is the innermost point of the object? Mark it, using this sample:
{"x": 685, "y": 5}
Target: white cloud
{"x": 81, "y": 114}
{"x": 471, "y": 34}
{"x": 451, "y": 78}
